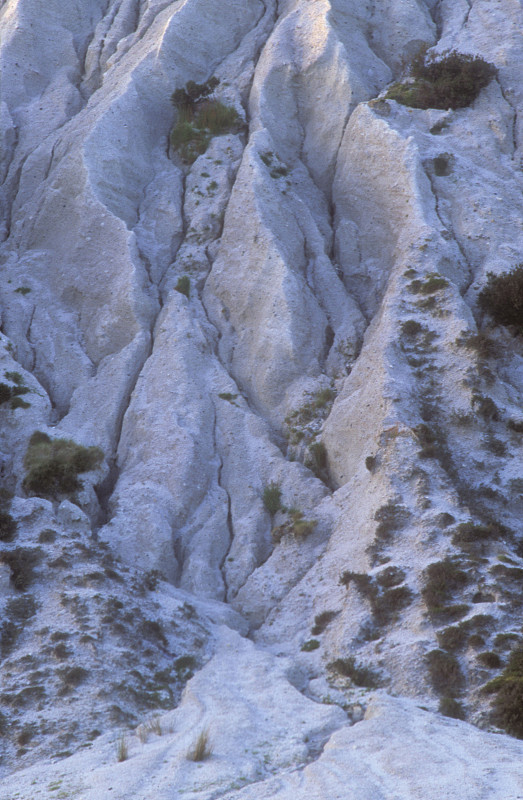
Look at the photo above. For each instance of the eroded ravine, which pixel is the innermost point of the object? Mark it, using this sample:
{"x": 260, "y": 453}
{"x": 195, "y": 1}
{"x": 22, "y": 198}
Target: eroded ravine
{"x": 306, "y": 240}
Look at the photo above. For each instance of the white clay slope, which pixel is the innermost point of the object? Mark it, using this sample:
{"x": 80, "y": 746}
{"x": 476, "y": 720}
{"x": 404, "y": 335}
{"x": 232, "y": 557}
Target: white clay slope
{"x": 303, "y": 357}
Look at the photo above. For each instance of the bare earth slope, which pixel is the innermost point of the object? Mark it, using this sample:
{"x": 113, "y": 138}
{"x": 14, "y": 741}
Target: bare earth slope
{"x": 302, "y": 532}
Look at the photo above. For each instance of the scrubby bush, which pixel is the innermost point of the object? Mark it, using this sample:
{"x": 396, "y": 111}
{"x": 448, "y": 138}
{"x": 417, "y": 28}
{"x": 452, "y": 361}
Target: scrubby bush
{"x": 8, "y": 527}
{"x": 12, "y": 394}
{"x": 490, "y": 660}
{"x": 386, "y": 607}
{"x": 445, "y": 672}
{"x": 390, "y": 576}
{"x": 470, "y": 533}
{"x": 453, "y": 638}
{"x": 451, "y": 80}
{"x": 321, "y": 621}
{"x": 450, "y": 707}
{"x": 359, "y": 675}
{"x": 198, "y": 119}
{"x": 442, "y": 579}
{"x": 391, "y": 518}
{"x": 508, "y": 703}
{"x": 21, "y": 561}
{"x": 411, "y": 328}
{"x": 193, "y": 92}
{"x": 502, "y": 297}
{"x": 316, "y": 461}
{"x": 53, "y": 465}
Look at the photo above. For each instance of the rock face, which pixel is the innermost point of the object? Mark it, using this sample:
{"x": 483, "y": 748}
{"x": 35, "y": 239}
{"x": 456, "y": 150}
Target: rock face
{"x": 311, "y": 433}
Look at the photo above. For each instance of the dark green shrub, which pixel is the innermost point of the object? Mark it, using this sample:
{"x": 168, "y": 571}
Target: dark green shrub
{"x": 360, "y": 676}
{"x": 442, "y": 579}
{"x": 476, "y": 640}
{"x": 309, "y": 645}
{"x": 453, "y": 638}
{"x": 316, "y": 461}
{"x": 490, "y": 660}
{"x": 450, "y": 707}
{"x": 21, "y": 562}
{"x": 432, "y": 283}
{"x": 73, "y": 676}
{"x": 428, "y": 439}
{"x": 11, "y": 394}
{"x": 441, "y": 165}
{"x": 21, "y": 608}
{"x": 505, "y": 640}
{"x": 363, "y": 582}
{"x": 508, "y": 703}
{"x": 411, "y": 328}
{"x": 152, "y": 630}
{"x": 470, "y": 532}
{"x": 272, "y": 498}
{"x": 184, "y": 667}
{"x": 445, "y": 673}
{"x": 502, "y": 297}
{"x": 371, "y": 463}
{"x": 8, "y": 527}
{"x": 451, "y": 80}
{"x": 322, "y": 620}
{"x": 183, "y": 285}
{"x": 52, "y": 465}
{"x": 193, "y": 92}
{"x": 386, "y": 607}
{"x": 390, "y": 576}
{"x": 391, "y": 518}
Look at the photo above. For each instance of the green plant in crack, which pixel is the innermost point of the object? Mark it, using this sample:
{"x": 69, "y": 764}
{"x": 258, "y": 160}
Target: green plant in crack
{"x": 272, "y": 498}
{"x": 199, "y": 118}
{"x": 13, "y": 394}
{"x": 53, "y": 465}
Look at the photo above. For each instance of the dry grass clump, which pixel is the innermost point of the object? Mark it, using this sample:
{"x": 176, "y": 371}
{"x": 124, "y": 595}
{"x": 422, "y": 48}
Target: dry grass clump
{"x": 201, "y": 749}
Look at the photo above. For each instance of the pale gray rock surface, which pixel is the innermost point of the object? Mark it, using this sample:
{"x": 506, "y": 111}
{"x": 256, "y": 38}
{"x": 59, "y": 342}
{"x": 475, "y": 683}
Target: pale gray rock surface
{"x": 260, "y": 319}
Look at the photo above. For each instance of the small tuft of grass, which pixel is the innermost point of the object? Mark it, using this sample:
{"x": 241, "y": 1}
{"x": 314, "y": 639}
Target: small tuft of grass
{"x": 272, "y": 498}
{"x": 122, "y": 750}
{"x": 432, "y": 284}
{"x": 201, "y": 749}
{"x": 183, "y": 285}
{"x": 309, "y": 645}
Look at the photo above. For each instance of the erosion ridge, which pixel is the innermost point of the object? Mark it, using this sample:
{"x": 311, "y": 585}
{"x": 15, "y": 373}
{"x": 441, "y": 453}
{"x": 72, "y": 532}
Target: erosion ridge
{"x": 297, "y": 308}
